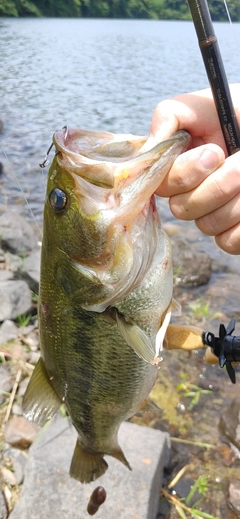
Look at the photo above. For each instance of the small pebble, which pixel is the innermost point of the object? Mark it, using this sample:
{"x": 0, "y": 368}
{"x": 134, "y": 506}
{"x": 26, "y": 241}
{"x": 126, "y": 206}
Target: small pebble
{"x": 8, "y": 476}
{"x": 19, "y": 432}
{"x": 17, "y": 409}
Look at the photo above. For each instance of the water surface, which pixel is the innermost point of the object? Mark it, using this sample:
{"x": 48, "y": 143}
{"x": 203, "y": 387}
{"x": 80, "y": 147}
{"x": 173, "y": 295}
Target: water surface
{"x": 94, "y": 74}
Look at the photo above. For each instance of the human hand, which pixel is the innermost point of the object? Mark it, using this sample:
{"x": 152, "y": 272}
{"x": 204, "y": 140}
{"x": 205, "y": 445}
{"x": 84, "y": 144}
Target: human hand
{"x": 202, "y": 184}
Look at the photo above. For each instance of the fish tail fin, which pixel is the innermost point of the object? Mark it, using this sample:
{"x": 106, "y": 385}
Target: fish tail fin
{"x": 86, "y": 466}
{"x": 118, "y": 454}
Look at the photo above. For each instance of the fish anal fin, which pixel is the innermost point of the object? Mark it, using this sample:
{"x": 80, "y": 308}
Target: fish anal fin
{"x": 40, "y": 401}
{"x": 87, "y": 466}
{"x": 136, "y": 338}
{"x": 183, "y": 338}
{"x": 119, "y": 455}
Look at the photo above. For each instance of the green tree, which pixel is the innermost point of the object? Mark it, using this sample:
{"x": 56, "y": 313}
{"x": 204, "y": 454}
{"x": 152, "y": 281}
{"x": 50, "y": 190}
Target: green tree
{"x": 8, "y": 8}
{"x": 158, "y": 9}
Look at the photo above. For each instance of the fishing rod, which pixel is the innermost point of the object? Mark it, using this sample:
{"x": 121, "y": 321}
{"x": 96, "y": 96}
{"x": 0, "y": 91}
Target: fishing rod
{"x": 226, "y": 347}
{"x": 216, "y": 73}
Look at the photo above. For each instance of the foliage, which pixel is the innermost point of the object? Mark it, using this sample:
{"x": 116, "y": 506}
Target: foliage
{"x": 191, "y": 391}
{"x": 148, "y": 9}
{"x": 200, "y": 487}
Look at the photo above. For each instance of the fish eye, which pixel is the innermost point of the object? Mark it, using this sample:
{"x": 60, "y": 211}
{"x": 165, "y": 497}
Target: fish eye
{"x": 58, "y": 199}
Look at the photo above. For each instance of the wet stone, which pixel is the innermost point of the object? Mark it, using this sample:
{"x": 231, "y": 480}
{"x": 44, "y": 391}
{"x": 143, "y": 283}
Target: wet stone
{"x": 20, "y": 433}
{"x": 8, "y": 331}
{"x": 23, "y": 386}
{"x": 18, "y": 460}
{"x": 13, "y": 263}
{"x": 31, "y": 270}
{"x": 6, "y": 381}
{"x": 229, "y": 423}
{"x": 192, "y": 268}
{"x": 5, "y": 275}
{"x": 3, "y": 507}
{"x": 17, "y": 409}
{"x": 17, "y": 235}
{"x": 234, "y": 494}
{"x": 49, "y": 491}
{"x": 8, "y": 476}
{"x": 15, "y": 299}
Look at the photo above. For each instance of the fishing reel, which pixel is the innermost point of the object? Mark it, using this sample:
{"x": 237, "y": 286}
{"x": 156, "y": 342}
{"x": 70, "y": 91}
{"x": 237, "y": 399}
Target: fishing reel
{"x": 226, "y": 347}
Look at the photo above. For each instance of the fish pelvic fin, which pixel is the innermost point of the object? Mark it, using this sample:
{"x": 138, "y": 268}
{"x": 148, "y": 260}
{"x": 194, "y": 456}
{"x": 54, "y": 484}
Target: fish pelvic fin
{"x": 40, "y": 401}
{"x": 87, "y": 466}
{"x": 136, "y": 339}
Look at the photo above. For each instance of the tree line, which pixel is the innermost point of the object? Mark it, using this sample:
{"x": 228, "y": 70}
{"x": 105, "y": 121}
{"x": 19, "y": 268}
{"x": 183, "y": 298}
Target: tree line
{"x": 150, "y": 9}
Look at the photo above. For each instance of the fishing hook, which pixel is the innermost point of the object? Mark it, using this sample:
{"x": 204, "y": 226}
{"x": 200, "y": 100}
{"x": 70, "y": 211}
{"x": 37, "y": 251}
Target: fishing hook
{"x": 45, "y": 162}
{"x": 226, "y": 347}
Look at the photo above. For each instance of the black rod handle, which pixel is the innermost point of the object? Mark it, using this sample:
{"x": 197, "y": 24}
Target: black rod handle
{"x": 216, "y": 73}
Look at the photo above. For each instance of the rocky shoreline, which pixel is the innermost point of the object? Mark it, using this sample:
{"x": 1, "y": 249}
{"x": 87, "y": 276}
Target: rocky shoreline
{"x": 195, "y": 276}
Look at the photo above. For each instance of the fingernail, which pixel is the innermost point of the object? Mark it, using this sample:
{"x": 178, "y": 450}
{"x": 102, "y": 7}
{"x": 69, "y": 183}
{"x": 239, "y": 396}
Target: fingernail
{"x": 209, "y": 160}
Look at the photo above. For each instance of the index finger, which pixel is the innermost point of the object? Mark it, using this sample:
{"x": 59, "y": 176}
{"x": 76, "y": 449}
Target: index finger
{"x": 194, "y": 112}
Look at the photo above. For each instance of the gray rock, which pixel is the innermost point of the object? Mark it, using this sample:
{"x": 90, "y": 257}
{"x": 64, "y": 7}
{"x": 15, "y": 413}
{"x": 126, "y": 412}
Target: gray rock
{"x": 19, "y": 432}
{"x": 3, "y": 507}
{"x": 16, "y": 234}
{"x": 192, "y": 268}
{"x": 13, "y": 262}
{"x": 15, "y": 299}
{"x": 31, "y": 270}
{"x": 229, "y": 423}
{"x": 6, "y": 381}
{"x": 5, "y": 275}
{"x": 18, "y": 461}
{"x": 17, "y": 409}
{"x": 8, "y": 476}
{"x": 48, "y": 490}
{"x": 234, "y": 494}
{"x": 8, "y": 331}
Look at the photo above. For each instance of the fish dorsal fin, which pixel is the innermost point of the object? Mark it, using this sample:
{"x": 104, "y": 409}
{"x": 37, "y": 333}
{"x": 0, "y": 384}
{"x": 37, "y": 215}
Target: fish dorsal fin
{"x": 40, "y": 401}
{"x": 136, "y": 338}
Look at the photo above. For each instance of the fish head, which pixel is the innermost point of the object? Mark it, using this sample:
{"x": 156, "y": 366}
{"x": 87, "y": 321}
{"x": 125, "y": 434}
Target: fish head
{"x": 98, "y": 180}
{"x": 100, "y": 209}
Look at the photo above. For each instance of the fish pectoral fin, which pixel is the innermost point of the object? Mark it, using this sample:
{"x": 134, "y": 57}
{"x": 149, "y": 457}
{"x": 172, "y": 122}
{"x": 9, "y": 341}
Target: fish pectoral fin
{"x": 136, "y": 338}
{"x": 87, "y": 466}
{"x": 162, "y": 331}
{"x": 40, "y": 401}
{"x": 184, "y": 338}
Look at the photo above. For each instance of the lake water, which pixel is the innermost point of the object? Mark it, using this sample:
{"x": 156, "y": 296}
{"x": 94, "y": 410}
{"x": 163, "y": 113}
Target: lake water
{"x": 94, "y": 74}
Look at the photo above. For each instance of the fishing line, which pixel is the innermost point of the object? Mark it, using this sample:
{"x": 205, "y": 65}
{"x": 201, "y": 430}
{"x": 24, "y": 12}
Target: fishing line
{"x": 232, "y": 26}
{"x": 21, "y": 189}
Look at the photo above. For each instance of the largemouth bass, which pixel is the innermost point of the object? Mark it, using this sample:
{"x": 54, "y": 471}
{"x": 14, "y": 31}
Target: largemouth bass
{"x": 106, "y": 286}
